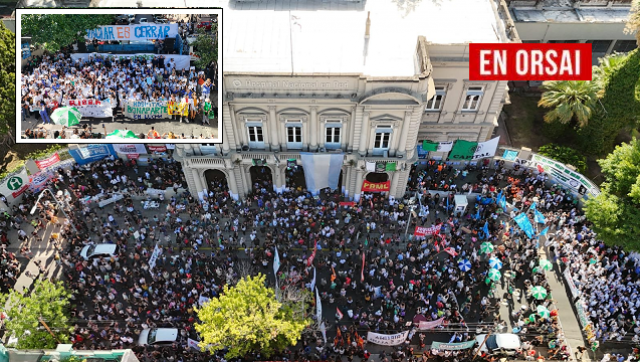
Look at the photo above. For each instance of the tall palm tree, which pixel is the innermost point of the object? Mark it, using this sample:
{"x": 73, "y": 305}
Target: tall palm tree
{"x": 633, "y": 24}
{"x": 570, "y": 100}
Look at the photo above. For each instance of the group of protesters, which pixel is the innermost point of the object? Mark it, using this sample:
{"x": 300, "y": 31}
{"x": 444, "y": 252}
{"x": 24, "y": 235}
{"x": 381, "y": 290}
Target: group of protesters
{"x": 370, "y": 277}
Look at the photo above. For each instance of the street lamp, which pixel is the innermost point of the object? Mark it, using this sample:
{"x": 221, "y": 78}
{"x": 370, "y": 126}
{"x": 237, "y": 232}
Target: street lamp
{"x": 412, "y": 207}
{"x": 61, "y": 207}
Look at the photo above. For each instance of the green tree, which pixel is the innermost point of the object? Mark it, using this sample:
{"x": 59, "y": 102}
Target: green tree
{"x": 570, "y": 100}
{"x": 615, "y": 213}
{"x": 49, "y": 302}
{"x": 248, "y": 318}
{"x": 633, "y": 24}
{"x": 619, "y": 107}
{"x": 206, "y": 46}
{"x": 7, "y": 87}
{"x": 565, "y": 155}
{"x": 54, "y": 31}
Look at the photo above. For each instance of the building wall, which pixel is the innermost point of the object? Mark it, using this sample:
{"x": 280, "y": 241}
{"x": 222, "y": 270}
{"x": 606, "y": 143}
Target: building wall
{"x": 361, "y": 105}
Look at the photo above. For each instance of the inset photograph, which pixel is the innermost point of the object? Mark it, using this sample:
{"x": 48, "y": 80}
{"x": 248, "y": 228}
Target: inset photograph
{"x": 118, "y": 75}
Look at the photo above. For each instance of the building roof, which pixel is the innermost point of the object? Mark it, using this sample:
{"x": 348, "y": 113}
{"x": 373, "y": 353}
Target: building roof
{"x": 297, "y": 36}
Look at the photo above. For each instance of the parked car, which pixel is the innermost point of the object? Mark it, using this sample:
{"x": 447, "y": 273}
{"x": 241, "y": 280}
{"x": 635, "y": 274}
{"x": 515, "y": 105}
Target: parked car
{"x": 97, "y": 250}
{"x": 123, "y": 21}
{"x": 162, "y": 21}
{"x": 143, "y": 20}
{"x": 205, "y": 24}
{"x": 159, "y": 336}
{"x": 500, "y": 344}
{"x": 131, "y": 17}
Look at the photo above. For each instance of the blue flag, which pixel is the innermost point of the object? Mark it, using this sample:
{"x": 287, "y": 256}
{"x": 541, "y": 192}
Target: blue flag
{"x": 485, "y": 230}
{"x": 533, "y": 206}
{"x": 478, "y": 214}
{"x": 523, "y": 222}
{"x": 447, "y": 203}
{"x": 545, "y": 231}
{"x": 538, "y": 217}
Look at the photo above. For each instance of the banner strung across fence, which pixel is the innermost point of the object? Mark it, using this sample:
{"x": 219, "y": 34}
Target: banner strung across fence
{"x": 133, "y": 32}
{"x": 452, "y": 346}
{"x": 130, "y": 149}
{"x": 91, "y": 107}
{"x": 91, "y": 153}
{"x": 387, "y": 339}
{"x": 49, "y": 161}
{"x": 181, "y": 61}
{"x": 572, "y": 286}
{"x": 146, "y": 110}
{"x": 466, "y": 151}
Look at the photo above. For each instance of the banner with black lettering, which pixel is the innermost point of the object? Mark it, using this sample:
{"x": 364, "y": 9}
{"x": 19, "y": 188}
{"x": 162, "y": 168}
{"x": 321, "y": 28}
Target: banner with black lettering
{"x": 146, "y": 110}
{"x": 387, "y": 339}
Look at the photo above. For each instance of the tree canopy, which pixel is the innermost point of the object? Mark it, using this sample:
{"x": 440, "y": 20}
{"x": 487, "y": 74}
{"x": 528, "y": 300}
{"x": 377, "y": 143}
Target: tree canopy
{"x": 206, "y": 46}
{"x": 248, "y": 318}
{"x": 54, "y": 31}
{"x": 49, "y": 301}
{"x": 7, "y": 84}
{"x": 615, "y": 213}
{"x": 569, "y": 100}
{"x": 633, "y": 24}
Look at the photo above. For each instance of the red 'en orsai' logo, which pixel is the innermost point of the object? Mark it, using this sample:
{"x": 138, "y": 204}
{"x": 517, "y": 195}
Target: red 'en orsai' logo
{"x": 522, "y": 62}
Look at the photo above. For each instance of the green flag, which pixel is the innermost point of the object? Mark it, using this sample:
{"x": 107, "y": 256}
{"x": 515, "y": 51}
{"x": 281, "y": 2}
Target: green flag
{"x": 463, "y": 150}
{"x": 430, "y": 146}
{"x": 391, "y": 166}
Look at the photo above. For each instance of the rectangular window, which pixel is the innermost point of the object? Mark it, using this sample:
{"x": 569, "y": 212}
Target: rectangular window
{"x": 599, "y": 46}
{"x": 294, "y": 136}
{"x": 472, "y": 100}
{"x": 435, "y": 103}
{"x": 333, "y": 135}
{"x": 256, "y": 138}
{"x": 624, "y": 46}
{"x": 382, "y": 141}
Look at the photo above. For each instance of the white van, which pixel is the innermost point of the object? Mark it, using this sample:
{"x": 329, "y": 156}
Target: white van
{"x": 499, "y": 344}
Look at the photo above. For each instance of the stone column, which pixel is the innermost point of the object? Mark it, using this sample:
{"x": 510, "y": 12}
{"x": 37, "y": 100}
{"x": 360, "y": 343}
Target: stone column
{"x": 313, "y": 130}
{"x": 233, "y": 186}
{"x": 394, "y": 185}
{"x": 359, "y": 179}
{"x": 225, "y": 140}
{"x": 402, "y": 148}
{"x": 240, "y": 131}
{"x": 198, "y": 181}
{"x": 273, "y": 124}
{"x": 276, "y": 179}
{"x": 364, "y": 135}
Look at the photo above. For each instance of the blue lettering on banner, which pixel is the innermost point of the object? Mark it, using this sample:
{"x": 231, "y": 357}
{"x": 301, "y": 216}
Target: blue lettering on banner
{"x": 132, "y": 32}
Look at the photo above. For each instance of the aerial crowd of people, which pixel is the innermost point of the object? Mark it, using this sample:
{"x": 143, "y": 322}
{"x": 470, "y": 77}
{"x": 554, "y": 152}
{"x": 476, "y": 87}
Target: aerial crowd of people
{"x": 446, "y": 278}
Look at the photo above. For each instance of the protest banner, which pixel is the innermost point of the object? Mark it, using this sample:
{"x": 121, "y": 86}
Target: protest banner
{"x": 38, "y": 181}
{"x": 154, "y": 257}
{"x": 424, "y": 325}
{"x": 575, "y": 293}
{"x": 49, "y": 161}
{"x": 127, "y": 149}
{"x": 180, "y": 61}
{"x": 135, "y": 32}
{"x": 157, "y": 148}
{"x": 146, "y": 110}
{"x": 452, "y": 346}
{"x": 376, "y": 186}
{"x": 91, "y": 107}
{"x": 193, "y": 344}
{"x": 90, "y": 153}
{"x": 423, "y": 231}
{"x": 387, "y": 339}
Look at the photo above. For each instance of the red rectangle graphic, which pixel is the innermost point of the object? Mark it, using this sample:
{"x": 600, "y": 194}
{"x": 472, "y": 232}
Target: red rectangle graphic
{"x": 530, "y": 61}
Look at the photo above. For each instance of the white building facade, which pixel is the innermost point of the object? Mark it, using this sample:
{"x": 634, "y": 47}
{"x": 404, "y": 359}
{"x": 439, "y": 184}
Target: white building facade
{"x": 366, "y": 81}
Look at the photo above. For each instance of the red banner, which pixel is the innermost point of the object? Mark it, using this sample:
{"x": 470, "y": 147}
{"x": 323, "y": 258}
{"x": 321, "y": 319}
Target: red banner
{"x": 362, "y": 270}
{"x": 422, "y": 231}
{"x": 313, "y": 253}
{"x": 376, "y": 186}
{"x": 49, "y": 161}
{"x": 347, "y": 203}
{"x": 133, "y": 156}
{"x": 157, "y": 148}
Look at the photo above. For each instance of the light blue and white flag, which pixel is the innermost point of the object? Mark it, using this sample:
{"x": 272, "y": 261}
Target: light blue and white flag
{"x": 321, "y": 170}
